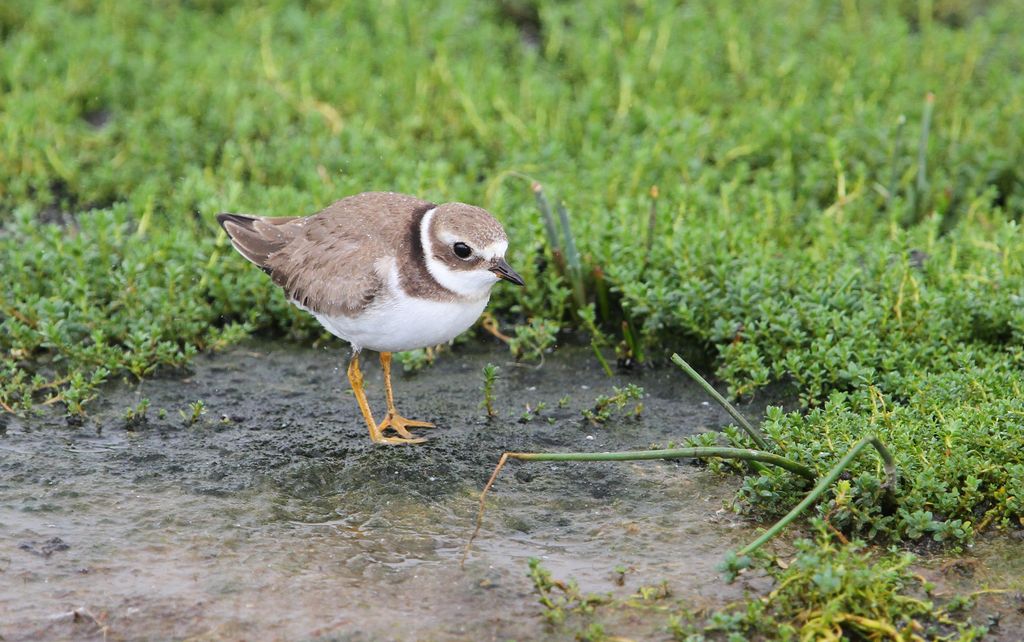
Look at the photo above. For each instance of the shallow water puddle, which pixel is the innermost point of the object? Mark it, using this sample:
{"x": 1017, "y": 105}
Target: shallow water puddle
{"x": 274, "y": 517}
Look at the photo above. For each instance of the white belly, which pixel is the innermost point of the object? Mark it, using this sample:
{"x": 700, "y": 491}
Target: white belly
{"x": 405, "y": 323}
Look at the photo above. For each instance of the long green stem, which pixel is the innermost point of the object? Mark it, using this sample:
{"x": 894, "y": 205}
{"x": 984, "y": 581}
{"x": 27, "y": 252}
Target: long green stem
{"x": 634, "y": 346}
{"x": 891, "y": 481}
{"x": 557, "y": 251}
{"x": 753, "y": 432}
{"x": 549, "y": 219}
{"x": 897, "y": 153}
{"x": 652, "y": 223}
{"x": 572, "y": 255}
{"x": 921, "y": 186}
{"x": 698, "y": 452}
{"x": 600, "y": 358}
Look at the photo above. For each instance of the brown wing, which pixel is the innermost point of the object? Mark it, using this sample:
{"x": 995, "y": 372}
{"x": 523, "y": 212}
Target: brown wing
{"x": 331, "y": 262}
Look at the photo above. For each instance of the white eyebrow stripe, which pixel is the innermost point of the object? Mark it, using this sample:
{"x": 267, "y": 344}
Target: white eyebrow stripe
{"x": 493, "y": 250}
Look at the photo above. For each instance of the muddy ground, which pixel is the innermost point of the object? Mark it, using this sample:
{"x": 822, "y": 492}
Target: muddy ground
{"x": 274, "y": 517}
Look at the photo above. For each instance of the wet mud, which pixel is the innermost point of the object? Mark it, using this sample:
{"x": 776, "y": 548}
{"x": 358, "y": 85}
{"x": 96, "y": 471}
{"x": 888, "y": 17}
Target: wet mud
{"x": 272, "y": 516}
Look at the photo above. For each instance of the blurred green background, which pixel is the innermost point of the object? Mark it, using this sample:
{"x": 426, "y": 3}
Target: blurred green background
{"x": 839, "y": 194}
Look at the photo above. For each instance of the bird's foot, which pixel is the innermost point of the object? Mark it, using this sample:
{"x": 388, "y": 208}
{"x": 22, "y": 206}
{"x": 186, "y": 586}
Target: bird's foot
{"x": 400, "y": 424}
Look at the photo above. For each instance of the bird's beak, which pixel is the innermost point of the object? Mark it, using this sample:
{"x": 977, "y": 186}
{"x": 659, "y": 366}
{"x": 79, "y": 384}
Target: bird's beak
{"x": 503, "y": 270}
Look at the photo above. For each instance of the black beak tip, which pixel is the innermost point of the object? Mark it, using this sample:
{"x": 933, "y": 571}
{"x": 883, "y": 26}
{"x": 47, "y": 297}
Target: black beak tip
{"x": 504, "y": 271}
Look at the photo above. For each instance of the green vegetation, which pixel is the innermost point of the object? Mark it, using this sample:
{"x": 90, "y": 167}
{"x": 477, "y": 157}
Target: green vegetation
{"x": 827, "y": 591}
{"x": 137, "y": 416}
{"x": 196, "y": 410}
{"x": 839, "y": 190}
{"x": 533, "y": 339}
{"x": 832, "y": 591}
{"x": 605, "y": 406}
{"x": 490, "y": 375}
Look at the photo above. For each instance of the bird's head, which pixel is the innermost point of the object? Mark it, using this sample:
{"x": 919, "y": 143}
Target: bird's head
{"x": 465, "y": 248}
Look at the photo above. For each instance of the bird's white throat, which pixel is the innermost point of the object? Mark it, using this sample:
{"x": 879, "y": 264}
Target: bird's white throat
{"x": 472, "y": 284}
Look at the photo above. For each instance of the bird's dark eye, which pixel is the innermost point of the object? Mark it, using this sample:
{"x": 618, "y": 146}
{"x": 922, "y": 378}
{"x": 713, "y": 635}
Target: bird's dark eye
{"x": 462, "y": 250}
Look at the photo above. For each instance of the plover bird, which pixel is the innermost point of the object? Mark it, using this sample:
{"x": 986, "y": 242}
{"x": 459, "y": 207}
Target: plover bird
{"x": 383, "y": 271}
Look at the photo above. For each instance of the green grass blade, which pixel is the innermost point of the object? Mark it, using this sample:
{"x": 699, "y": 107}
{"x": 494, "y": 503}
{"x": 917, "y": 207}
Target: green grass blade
{"x": 753, "y": 432}
{"x": 698, "y": 452}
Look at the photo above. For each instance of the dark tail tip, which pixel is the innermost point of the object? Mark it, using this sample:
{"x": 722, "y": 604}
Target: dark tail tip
{"x": 238, "y": 219}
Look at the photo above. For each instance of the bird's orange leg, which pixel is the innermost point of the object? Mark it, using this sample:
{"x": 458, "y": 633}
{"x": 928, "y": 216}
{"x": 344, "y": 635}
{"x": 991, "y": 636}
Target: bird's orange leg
{"x": 393, "y": 420}
{"x": 355, "y": 377}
